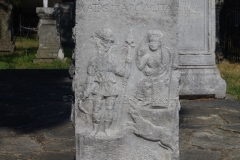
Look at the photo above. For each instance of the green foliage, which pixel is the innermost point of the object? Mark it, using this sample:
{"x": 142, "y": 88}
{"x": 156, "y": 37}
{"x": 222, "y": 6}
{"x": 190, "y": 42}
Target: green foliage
{"x": 23, "y": 57}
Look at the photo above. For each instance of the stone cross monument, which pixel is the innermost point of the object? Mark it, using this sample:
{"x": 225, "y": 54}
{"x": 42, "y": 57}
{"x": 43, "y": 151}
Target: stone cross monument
{"x": 126, "y": 80}
{"x": 6, "y": 37}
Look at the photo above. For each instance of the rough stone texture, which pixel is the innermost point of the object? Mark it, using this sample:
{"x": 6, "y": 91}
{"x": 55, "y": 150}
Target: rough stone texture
{"x": 199, "y": 155}
{"x": 207, "y": 120}
{"x": 231, "y": 127}
{"x": 234, "y": 155}
{"x": 199, "y": 74}
{"x": 49, "y": 41}
{"x": 59, "y": 132}
{"x": 211, "y": 141}
{"x": 188, "y": 112}
{"x": 12, "y": 145}
{"x": 60, "y": 145}
{"x": 233, "y": 117}
{"x": 54, "y": 156}
{"x": 6, "y": 132}
{"x": 126, "y": 80}
{"x": 8, "y": 156}
{"x": 6, "y": 37}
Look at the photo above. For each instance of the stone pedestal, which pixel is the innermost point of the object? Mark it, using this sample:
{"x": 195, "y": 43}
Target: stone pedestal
{"x": 6, "y": 38}
{"x": 49, "y": 41}
{"x": 126, "y": 80}
{"x": 199, "y": 74}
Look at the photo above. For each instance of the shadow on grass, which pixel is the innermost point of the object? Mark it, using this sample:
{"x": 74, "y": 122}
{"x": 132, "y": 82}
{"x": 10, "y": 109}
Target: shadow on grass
{"x": 32, "y": 100}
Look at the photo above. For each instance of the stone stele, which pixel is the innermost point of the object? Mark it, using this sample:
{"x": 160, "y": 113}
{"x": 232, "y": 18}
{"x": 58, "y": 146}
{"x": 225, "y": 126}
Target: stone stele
{"x": 126, "y": 80}
{"x": 199, "y": 74}
{"x": 49, "y": 41}
{"x": 6, "y": 38}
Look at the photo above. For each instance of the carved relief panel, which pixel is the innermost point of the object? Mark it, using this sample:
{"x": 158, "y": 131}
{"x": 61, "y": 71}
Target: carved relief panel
{"x": 126, "y": 82}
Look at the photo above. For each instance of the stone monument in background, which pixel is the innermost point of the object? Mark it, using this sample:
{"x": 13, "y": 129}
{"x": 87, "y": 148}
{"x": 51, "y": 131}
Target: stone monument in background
{"x": 126, "y": 80}
{"x": 49, "y": 41}
{"x": 197, "y": 27}
{"x": 6, "y": 37}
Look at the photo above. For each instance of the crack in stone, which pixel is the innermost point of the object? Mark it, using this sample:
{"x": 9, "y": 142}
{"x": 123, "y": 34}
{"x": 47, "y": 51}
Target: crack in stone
{"x": 223, "y": 118}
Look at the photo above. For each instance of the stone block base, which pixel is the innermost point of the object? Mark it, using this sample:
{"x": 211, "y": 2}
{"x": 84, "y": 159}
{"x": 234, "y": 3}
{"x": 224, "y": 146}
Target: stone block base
{"x": 202, "y": 82}
{"x": 47, "y": 54}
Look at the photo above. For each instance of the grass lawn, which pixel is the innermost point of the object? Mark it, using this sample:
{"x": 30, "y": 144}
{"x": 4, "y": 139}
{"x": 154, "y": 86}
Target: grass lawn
{"x": 230, "y": 72}
{"x": 22, "y": 58}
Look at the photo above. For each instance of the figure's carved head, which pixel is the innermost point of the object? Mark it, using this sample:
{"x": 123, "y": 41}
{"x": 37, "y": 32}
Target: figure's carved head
{"x": 154, "y": 39}
{"x": 106, "y": 37}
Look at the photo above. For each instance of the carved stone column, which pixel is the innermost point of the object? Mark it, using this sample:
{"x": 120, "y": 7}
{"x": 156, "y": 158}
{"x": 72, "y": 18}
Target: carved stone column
{"x": 6, "y": 37}
{"x": 49, "y": 41}
{"x": 126, "y": 80}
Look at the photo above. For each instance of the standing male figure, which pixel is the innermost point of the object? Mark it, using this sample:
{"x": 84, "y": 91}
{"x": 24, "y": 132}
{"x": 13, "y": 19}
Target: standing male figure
{"x": 101, "y": 82}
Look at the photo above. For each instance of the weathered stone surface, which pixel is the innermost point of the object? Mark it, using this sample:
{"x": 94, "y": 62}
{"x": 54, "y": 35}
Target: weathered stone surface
{"x": 210, "y": 141}
{"x": 192, "y": 116}
{"x": 6, "y": 132}
{"x": 204, "y": 120}
{"x": 189, "y": 112}
{"x": 225, "y": 133}
{"x": 234, "y": 155}
{"x": 47, "y": 155}
{"x": 60, "y": 145}
{"x": 49, "y": 41}
{"x": 13, "y": 145}
{"x": 6, "y": 37}
{"x": 8, "y": 156}
{"x": 199, "y": 155}
{"x": 231, "y": 116}
{"x": 184, "y": 139}
{"x": 194, "y": 128}
{"x": 54, "y": 156}
{"x": 199, "y": 73}
{"x": 59, "y": 132}
{"x": 126, "y": 80}
{"x": 222, "y": 104}
{"x": 231, "y": 127}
